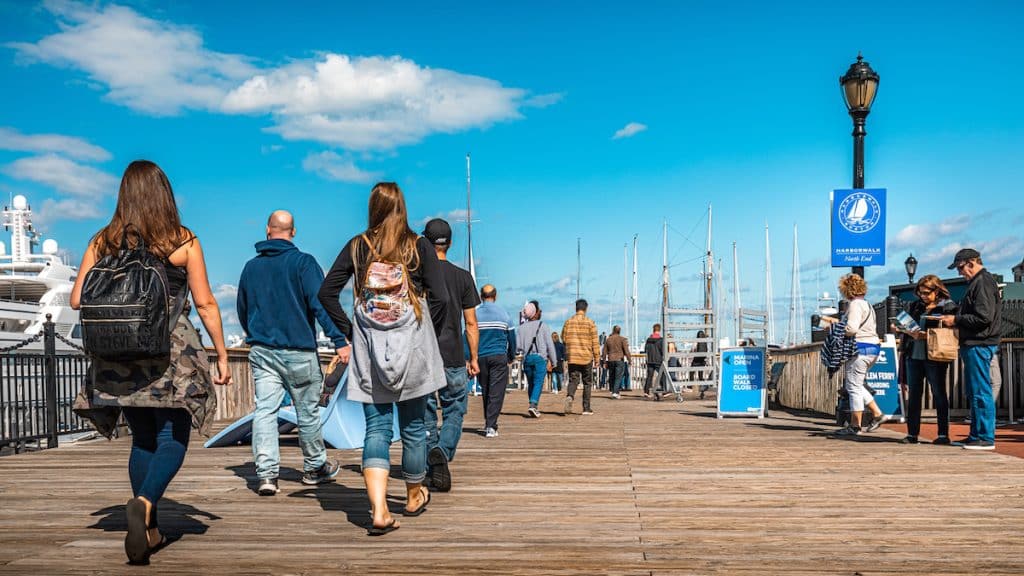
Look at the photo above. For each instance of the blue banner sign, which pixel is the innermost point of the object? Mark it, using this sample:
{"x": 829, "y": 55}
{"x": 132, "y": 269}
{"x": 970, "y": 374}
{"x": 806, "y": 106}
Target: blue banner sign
{"x": 741, "y": 386}
{"x": 882, "y": 379}
{"x": 858, "y": 227}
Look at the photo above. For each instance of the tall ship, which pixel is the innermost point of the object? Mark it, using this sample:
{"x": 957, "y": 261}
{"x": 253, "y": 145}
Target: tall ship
{"x": 33, "y": 285}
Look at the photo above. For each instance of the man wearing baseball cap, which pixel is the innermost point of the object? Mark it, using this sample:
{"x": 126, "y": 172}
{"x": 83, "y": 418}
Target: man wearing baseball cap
{"x": 462, "y": 302}
{"x": 979, "y": 322}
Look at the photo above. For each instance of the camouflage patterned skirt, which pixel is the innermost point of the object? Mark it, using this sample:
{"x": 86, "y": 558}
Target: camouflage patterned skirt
{"x": 180, "y": 381}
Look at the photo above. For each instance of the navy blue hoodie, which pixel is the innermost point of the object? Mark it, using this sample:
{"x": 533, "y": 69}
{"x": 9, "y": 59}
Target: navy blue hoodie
{"x": 277, "y": 300}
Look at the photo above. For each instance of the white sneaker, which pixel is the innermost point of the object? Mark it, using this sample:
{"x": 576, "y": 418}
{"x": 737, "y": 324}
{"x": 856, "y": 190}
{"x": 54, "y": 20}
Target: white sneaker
{"x": 491, "y": 433}
{"x": 615, "y": 395}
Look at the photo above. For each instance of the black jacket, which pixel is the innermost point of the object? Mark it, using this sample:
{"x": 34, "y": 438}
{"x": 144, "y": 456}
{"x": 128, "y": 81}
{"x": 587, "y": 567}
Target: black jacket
{"x": 980, "y": 318}
{"x": 916, "y": 311}
{"x": 653, "y": 350}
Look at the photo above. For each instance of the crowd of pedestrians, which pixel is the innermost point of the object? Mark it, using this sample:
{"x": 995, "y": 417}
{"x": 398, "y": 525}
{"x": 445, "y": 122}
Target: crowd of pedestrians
{"x": 420, "y": 331}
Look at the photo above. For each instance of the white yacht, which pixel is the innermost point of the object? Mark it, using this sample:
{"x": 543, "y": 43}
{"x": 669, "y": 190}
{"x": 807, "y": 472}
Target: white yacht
{"x": 33, "y": 285}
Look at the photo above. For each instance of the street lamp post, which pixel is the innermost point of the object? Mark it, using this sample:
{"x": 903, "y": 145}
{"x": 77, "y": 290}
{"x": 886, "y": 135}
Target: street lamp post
{"x": 910, "y": 265}
{"x": 859, "y": 86}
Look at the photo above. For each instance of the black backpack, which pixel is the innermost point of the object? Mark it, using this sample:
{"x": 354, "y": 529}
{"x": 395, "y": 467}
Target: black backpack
{"x": 126, "y": 307}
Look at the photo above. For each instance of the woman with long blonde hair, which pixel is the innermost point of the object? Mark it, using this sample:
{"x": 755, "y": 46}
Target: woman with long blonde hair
{"x": 161, "y": 398}
{"x": 399, "y": 304}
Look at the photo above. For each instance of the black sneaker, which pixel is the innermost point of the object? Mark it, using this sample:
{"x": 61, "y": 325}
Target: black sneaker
{"x": 941, "y": 441}
{"x": 979, "y": 445}
{"x": 268, "y": 487}
{"x": 324, "y": 473}
{"x": 875, "y": 424}
{"x": 909, "y": 440}
{"x": 440, "y": 475}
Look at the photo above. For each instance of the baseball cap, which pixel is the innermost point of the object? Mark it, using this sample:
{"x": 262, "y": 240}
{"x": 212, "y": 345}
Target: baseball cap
{"x": 438, "y": 232}
{"x": 963, "y": 255}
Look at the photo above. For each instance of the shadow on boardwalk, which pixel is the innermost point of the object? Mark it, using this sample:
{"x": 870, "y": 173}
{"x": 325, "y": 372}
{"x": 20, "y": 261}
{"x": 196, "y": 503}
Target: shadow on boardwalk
{"x": 637, "y": 488}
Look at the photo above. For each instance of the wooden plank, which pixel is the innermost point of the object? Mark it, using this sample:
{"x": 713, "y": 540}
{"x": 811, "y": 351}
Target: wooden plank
{"x": 638, "y": 488}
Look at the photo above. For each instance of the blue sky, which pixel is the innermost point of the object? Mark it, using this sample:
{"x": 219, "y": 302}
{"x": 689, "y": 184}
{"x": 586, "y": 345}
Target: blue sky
{"x": 585, "y": 120}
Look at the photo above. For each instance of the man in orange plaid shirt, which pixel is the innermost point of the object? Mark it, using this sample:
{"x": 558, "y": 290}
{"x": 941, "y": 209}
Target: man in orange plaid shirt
{"x": 582, "y": 352}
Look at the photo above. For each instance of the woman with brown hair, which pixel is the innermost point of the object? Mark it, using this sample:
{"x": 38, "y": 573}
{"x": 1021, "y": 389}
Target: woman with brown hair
{"x": 860, "y": 325}
{"x": 932, "y": 302}
{"x": 395, "y": 356}
{"x": 161, "y": 398}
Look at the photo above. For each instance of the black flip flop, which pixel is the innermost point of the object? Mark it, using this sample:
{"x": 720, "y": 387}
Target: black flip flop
{"x": 136, "y": 544}
{"x": 420, "y": 510}
{"x": 389, "y": 527}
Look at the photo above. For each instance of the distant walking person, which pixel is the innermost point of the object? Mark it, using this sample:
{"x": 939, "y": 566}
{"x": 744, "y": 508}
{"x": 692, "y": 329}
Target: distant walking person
{"x": 701, "y": 348}
{"x": 583, "y": 352}
{"x": 497, "y": 351}
{"x": 861, "y": 325}
{"x": 161, "y": 398}
{"x": 979, "y": 321}
{"x": 277, "y": 305}
{"x": 654, "y": 353}
{"x": 395, "y": 358}
{"x": 558, "y": 372}
{"x": 615, "y": 353}
{"x": 932, "y": 301}
{"x": 534, "y": 342}
{"x": 458, "y": 366}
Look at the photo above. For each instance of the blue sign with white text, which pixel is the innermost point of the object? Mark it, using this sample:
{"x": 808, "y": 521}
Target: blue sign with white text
{"x": 741, "y": 390}
{"x": 858, "y": 227}
{"x": 882, "y": 379}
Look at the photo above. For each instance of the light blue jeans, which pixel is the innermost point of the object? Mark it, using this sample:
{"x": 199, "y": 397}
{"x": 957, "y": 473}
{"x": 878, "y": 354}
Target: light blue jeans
{"x": 536, "y": 368}
{"x": 380, "y": 422}
{"x": 298, "y": 372}
{"x": 453, "y": 408}
{"x": 978, "y": 386}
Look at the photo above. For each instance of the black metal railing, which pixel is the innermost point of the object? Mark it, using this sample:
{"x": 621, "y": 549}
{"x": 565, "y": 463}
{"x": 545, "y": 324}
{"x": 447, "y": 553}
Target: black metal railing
{"x": 37, "y": 390}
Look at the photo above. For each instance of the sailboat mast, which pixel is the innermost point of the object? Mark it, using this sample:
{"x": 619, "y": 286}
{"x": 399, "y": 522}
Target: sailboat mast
{"x": 470, "y": 265}
{"x": 664, "y": 286}
{"x": 578, "y": 257}
{"x": 768, "y": 299}
{"x": 636, "y": 307}
{"x": 709, "y": 266}
{"x": 796, "y": 304}
{"x": 736, "y": 294}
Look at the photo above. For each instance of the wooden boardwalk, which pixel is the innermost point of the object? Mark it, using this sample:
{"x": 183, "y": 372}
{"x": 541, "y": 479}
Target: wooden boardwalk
{"x": 638, "y": 488}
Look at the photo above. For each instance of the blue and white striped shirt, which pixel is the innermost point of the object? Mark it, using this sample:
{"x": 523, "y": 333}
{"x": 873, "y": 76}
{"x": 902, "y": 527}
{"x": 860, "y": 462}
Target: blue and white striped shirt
{"x": 497, "y": 332}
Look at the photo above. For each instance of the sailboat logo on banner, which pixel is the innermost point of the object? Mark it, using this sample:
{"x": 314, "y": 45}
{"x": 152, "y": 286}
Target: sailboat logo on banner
{"x": 859, "y": 212}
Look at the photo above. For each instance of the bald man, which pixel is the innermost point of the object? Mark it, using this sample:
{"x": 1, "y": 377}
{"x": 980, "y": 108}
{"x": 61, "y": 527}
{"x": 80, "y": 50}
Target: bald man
{"x": 277, "y": 304}
{"x": 496, "y": 350}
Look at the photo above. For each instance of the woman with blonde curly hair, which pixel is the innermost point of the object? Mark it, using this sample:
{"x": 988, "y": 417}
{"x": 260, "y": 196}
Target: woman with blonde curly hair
{"x": 860, "y": 325}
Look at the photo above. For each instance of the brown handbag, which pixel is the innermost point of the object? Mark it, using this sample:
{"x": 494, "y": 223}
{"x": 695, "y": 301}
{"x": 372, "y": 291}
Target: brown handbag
{"x": 942, "y": 345}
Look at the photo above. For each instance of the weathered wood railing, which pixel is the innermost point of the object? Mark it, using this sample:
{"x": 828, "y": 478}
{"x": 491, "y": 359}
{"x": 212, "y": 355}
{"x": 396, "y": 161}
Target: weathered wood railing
{"x": 803, "y": 384}
{"x": 238, "y": 399}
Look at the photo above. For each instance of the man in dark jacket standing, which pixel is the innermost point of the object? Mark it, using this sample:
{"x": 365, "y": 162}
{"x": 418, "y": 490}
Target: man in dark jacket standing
{"x": 277, "y": 304}
{"x": 979, "y": 322}
{"x": 654, "y": 352}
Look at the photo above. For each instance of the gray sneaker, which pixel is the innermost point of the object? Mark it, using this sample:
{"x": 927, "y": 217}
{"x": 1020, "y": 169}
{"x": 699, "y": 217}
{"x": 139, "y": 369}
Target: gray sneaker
{"x": 848, "y": 431}
{"x": 324, "y": 473}
{"x": 875, "y": 424}
{"x": 567, "y": 407}
{"x": 491, "y": 433}
{"x": 268, "y": 487}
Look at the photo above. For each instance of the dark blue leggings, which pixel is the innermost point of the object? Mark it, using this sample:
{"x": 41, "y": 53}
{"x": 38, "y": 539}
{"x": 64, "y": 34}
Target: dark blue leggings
{"x": 159, "y": 441}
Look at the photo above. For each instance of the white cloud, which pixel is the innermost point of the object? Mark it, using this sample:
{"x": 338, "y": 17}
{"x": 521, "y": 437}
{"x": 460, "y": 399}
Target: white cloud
{"x": 358, "y": 103}
{"x": 148, "y": 65}
{"x": 11, "y": 139}
{"x": 333, "y": 166}
{"x": 452, "y": 216}
{"x": 921, "y": 235}
{"x": 372, "y": 103}
{"x": 67, "y": 209}
{"x": 629, "y": 130}
{"x": 63, "y": 175}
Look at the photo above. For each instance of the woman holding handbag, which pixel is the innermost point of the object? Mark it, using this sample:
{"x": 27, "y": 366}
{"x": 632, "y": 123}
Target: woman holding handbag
{"x": 932, "y": 301}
